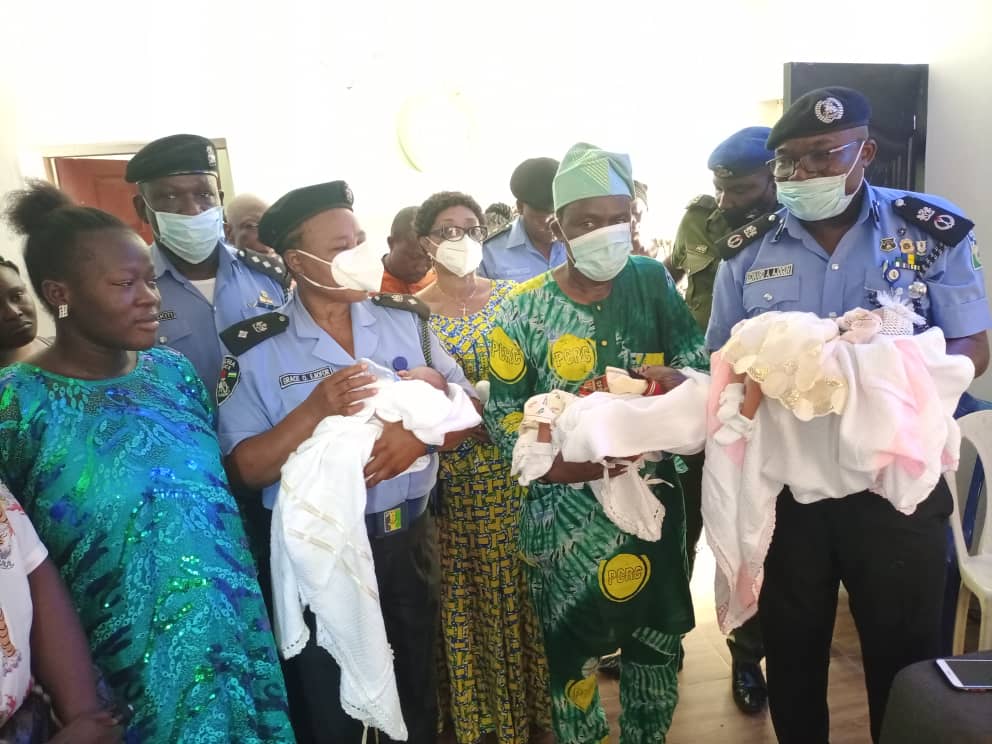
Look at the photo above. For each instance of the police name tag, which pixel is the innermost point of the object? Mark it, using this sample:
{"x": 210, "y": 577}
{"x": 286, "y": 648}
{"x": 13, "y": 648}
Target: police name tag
{"x": 772, "y": 272}
{"x": 298, "y": 378}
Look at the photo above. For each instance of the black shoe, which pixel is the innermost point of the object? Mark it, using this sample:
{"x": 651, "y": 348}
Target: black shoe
{"x": 748, "y": 685}
{"x": 610, "y": 666}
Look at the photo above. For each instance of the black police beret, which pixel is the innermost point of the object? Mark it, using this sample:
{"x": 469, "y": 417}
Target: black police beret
{"x": 293, "y": 209}
{"x": 170, "y": 156}
{"x": 741, "y": 153}
{"x": 824, "y": 110}
{"x": 531, "y": 183}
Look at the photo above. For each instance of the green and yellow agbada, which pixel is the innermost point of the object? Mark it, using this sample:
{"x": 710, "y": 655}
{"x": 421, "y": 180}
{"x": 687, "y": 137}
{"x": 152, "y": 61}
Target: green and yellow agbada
{"x": 594, "y": 587}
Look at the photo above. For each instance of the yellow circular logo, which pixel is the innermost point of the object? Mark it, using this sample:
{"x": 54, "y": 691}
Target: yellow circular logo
{"x": 511, "y": 421}
{"x": 573, "y": 358}
{"x": 623, "y": 576}
{"x": 506, "y": 360}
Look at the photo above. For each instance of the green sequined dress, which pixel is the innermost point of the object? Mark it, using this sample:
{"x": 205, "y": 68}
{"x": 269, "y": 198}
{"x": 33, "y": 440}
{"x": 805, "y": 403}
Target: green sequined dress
{"x": 123, "y": 481}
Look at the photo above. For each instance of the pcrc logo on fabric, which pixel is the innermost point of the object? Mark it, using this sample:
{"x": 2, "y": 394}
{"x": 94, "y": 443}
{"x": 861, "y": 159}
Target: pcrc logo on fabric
{"x": 622, "y": 577}
{"x": 506, "y": 359}
{"x": 572, "y": 358}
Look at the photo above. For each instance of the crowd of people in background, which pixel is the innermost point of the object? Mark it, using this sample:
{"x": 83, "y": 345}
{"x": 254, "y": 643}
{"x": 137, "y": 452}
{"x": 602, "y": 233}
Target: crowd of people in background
{"x": 143, "y": 448}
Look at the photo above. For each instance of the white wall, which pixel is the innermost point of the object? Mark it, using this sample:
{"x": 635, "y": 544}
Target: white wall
{"x": 307, "y": 91}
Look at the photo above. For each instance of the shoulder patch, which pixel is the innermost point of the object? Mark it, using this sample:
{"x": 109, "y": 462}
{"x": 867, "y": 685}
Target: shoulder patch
{"x": 247, "y": 334}
{"x": 945, "y": 226}
{"x": 703, "y": 201}
{"x": 272, "y": 266}
{"x": 730, "y": 245}
{"x": 503, "y": 229}
{"x": 403, "y": 302}
{"x": 230, "y": 374}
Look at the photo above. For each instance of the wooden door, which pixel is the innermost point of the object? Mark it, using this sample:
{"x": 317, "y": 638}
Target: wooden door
{"x": 100, "y": 183}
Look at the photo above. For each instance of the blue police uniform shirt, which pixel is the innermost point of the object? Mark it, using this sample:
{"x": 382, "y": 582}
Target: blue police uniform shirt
{"x": 788, "y": 270}
{"x": 191, "y": 325}
{"x": 277, "y": 375}
{"x": 511, "y": 255}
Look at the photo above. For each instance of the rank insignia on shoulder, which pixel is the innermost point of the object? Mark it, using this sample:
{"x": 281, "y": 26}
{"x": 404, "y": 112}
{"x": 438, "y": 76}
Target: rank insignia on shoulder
{"x": 402, "y": 302}
{"x": 247, "y": 334}
{"x": 230, "y": 375}
{"x": 730, "y": 245}
{"x": 945, "y": 226}
{"x": 703, "y": 201}
{"x": 271, "y": 266}
{"x": 499, "y": 231}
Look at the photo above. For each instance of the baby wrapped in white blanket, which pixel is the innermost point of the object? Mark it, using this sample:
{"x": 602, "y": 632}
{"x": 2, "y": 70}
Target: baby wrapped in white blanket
{"x": 321, "y": 555}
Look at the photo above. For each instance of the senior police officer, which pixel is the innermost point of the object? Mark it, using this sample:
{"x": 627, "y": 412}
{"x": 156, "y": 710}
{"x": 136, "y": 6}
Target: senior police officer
{"x": 205, "y": 284}
{"x": 526, "y": 246}
{"x": 291, "y": 368}
{"x": 744, "y": 190}
{"x": 839, "y": 244}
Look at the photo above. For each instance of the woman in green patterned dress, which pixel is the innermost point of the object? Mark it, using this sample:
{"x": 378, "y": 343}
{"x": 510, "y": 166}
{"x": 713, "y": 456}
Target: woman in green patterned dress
{"x": 594, "y": 587}
{"x": 494, "y": 679}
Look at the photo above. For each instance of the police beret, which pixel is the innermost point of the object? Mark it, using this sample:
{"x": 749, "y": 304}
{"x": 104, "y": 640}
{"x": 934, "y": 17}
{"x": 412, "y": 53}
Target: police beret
{"x": 170, "y": 156}
{"x": 293, "y": 209}
{"x": 531, "y": 183}
{"x": 741, "y": 153}
{"x": 821, "y": 111}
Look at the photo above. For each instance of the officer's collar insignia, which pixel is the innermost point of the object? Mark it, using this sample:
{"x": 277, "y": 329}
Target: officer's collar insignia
{"x": 732, "y": 244}
{"x": 946, "y": 226}
{"x": 402, "y": 302}
{"x": 247, "y": 334}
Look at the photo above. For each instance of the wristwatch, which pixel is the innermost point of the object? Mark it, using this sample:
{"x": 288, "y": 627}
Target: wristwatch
{"x": 432, "y": 449}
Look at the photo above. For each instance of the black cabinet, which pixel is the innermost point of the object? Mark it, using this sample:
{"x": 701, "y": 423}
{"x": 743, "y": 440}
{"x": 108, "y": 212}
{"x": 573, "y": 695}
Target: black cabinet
{"x": 898, "y": 95}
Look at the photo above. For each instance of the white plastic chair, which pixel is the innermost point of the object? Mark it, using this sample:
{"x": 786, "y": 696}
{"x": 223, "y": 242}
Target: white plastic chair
{"x": 976, "y": 570}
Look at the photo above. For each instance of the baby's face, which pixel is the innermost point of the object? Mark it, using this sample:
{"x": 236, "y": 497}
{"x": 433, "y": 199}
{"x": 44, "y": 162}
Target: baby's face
{"x": 429, "y": 375}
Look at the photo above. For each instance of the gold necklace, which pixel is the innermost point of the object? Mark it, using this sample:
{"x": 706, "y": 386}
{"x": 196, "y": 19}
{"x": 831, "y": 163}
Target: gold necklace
{"x": 463, "y": 300}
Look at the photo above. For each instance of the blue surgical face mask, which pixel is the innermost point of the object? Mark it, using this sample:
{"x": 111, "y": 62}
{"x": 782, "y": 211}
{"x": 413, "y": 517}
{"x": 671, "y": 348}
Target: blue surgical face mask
{"x": 818, "y": 199}
{"x": 601, "y": 254}
{"x": 192, "y": 238}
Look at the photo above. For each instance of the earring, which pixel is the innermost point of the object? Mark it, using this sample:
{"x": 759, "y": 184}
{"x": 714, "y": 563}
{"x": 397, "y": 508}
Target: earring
{"x": 63, "y": 311}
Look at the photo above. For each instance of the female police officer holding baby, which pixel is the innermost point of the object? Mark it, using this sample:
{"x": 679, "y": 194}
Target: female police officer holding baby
{"x": 291, "y": 368}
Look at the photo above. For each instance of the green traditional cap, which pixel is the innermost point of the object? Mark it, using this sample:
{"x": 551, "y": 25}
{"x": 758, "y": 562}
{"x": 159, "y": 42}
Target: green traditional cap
{"x": 586, "y": 171}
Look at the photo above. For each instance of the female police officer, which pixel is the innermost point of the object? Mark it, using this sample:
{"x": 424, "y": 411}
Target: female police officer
{"x": 295, "y": 366}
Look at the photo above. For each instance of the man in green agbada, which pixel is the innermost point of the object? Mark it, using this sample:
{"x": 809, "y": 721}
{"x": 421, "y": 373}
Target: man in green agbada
{"x": 596, "y": 588}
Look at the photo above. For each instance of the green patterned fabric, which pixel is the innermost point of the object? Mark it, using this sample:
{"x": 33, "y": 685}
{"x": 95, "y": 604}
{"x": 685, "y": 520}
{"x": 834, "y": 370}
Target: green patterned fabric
{"x": 594, "y": 587}
{"x": 587, "y": 171}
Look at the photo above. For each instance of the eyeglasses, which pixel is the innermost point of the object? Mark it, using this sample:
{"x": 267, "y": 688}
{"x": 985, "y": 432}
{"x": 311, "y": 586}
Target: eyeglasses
{"x": 783, "y": 166}
{"x": 455, "y": 232}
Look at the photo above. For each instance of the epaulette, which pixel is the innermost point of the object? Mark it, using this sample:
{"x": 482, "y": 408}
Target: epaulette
{"x": 247, "y": 334}
{"x": 703, "y": 201}
{"x": 945, "y": 226}
{"x": 730, "y": 245}
{"x": 505, "y": 228}
{"x": 271, "y": 266}
{"x": 403, "y": 302}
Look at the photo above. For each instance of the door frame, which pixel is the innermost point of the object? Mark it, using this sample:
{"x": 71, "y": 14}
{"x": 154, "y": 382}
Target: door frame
{"x": 103, "y": 149}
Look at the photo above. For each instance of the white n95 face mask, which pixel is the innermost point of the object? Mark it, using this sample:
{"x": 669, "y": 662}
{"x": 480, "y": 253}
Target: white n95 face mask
{"x": 461, "y": 257}
{"x": 359, "y": 268}
{"x": 192, "y": 238}
{"x": 601, "y": 254}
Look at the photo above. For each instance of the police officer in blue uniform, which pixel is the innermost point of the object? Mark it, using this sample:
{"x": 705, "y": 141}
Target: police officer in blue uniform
{"x": 291, "y": 368}
{"x": 205, "y": 284}
{"x": 526, "y": 246}
{"x": 838, "y": 244}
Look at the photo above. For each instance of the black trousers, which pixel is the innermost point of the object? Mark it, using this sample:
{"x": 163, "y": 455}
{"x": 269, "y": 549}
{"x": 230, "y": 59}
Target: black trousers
{"x": 408, "y": 574}
{"x": 744, "y": 642}
{"x": 893, "y": 568}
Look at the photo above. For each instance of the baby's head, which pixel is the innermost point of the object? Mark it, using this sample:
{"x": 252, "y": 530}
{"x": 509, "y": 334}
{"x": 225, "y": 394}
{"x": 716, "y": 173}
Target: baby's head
{"x": 429, "y": 375}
